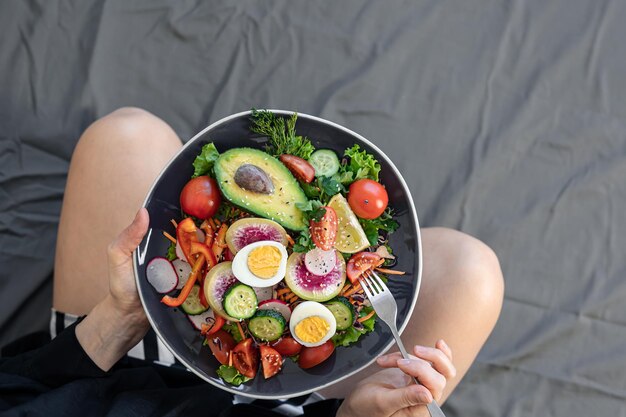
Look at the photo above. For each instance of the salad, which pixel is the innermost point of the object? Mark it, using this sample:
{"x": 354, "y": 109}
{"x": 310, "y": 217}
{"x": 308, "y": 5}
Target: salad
{"x": 266, "y": 257}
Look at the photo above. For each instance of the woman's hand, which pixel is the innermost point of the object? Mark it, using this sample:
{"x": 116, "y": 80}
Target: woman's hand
{"x": 392, "y": 393}
{"x": 118, "y": 322}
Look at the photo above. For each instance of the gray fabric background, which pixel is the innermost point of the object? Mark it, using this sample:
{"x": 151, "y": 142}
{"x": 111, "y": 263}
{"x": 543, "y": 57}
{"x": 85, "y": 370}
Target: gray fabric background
{"x": 507, "y": 118}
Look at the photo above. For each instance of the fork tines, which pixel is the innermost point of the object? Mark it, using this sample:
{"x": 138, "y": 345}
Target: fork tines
{"x": 371, "y": 283}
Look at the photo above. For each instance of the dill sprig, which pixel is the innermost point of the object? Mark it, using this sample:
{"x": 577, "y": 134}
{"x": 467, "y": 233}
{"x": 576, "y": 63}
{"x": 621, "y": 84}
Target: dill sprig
{"x": 282, "y": 136}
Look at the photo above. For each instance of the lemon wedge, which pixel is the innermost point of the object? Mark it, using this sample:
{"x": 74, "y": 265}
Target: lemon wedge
{"x": 350, "y": 235}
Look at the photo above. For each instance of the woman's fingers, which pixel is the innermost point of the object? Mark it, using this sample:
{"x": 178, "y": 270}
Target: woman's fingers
{"x": 121, "y": 250}
{"x": 425, "y": 374}
{"x": 439, "y": 360}
{"x": 405, "y": 397}
{"x": 443, "y": 346}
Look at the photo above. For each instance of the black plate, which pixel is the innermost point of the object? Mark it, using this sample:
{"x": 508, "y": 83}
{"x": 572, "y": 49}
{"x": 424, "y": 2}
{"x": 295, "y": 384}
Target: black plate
{"x": 175, "y": 330}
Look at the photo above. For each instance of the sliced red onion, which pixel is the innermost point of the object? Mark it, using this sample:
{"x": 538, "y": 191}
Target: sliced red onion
{"x": 161, "y": 275}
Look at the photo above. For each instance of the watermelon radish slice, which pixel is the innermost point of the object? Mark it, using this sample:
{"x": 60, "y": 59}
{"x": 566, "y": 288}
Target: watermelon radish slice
{"x": 264, "y": 293}
{"x": 311, "y": 286}
{"x": 217, "y": 281}
{"x": 161, "y": 275}
{"x": 208, "y": 317}
{"x": 183, "y": 269}
{"x": 253, "y": 229}
{"x": 276, "y": 305}
{"x": 319, "y": 261}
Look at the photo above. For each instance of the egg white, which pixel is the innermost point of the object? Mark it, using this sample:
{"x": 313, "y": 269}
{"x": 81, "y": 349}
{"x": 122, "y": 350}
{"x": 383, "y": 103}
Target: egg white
{"x": 310, "y": 309}
{"x": 243, "y": 273}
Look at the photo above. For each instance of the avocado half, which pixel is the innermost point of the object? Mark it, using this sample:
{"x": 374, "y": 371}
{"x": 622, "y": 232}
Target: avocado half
{"x": 278, "y": 205}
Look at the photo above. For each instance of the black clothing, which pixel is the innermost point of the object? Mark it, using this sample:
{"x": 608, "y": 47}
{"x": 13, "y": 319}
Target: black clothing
{"x": 59, "y": 378}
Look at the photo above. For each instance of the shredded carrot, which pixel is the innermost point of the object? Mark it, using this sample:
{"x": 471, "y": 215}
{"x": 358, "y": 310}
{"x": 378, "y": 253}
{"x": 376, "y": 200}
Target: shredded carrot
{"x": 290, "y": 240}
{"x": 390, "y": 271}
{"x": 345, "y": 288}
{"x": 362, "y": 319}
{"x": 291, "y": 298}
{"x": 212, "y": 223}
{"x": 174, "y": 222}
{"x": 243, "y": 335}
{"x": 218, "y": 223}
{"x": 170, "y": 237}
{"x": 355, "y": 288}
{"x": 230, "y": 358}
{"x": 283, "y": 291}
{"x": 379, "y": 263}
{"x": 219, "y": 243}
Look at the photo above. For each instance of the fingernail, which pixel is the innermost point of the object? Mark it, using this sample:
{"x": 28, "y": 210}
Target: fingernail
{"x": 418, "y": 348}
{"x": 404, "y": 362}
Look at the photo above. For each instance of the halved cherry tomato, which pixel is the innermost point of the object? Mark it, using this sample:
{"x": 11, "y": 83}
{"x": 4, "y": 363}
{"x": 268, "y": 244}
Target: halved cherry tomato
{"x": 200, "y": 197}
{"x": 246, "y": 358}
{"x": 287, "y": 346}
{"x": 367, "y": 198}
{"x": 324, "y": 232}
{"x": 313, "y": 356}
{"x": 359, "y": 263}
{"x": 221, "y": 343}
{"x": 218, "y": 323}
{"x": 271, "y": 361}
{"x": 300, "y": 168}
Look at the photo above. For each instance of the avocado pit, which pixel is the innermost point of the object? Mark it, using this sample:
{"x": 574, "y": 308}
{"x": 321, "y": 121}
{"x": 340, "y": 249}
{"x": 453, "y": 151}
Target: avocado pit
{"x": 252, "y": 178}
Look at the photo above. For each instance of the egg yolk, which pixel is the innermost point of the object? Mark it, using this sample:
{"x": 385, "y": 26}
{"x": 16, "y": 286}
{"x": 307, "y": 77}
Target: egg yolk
{"x": 312, "y": 329}
{"x": 264, "y": 261}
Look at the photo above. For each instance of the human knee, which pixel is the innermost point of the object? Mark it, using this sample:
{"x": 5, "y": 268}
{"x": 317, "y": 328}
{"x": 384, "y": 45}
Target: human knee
{"x": 131, "y": 128}
{"x": 475, "y": 268}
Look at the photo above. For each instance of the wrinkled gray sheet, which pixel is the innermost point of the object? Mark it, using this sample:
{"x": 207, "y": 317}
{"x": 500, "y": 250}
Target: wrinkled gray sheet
{"x": 507, "y": 118}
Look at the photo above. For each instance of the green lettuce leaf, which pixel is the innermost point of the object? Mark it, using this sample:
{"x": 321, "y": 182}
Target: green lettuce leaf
{"x": 384, "y": 222}
{"x": 203, "y": 164}
{"x": 230, "y": 375}
{"x": 361, "y": 165}
{"x": 233, "y": 330}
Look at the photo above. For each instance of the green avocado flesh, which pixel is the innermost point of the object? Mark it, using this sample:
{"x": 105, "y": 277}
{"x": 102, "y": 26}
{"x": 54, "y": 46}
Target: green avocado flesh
{"x": 276, "y": 202}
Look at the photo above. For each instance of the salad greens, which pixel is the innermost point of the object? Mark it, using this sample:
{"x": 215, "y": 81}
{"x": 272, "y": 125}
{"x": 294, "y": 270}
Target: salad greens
{"x": 231, "y": 375}
{"x": 312, "y": 210}
{"x": 171, "y": 252}
{"x": 233, "y": 330}
{"x": 282, "y": 136}
{"x": 361, "y": 165}
{"x": 352, "y": 334}
{"x": 203, "y": 164}
{"x": 373, "y": 227}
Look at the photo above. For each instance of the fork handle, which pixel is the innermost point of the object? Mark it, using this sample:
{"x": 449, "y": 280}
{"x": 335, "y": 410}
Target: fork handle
{"x": 433, "y": 407}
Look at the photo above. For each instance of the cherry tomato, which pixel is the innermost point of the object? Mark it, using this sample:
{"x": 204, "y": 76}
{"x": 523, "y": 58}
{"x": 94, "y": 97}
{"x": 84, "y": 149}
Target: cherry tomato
{"x": 221, "y": 343}
{"x": 359, "y": 263}
{"x": 287, "y": 346}
{"x": 367, "y": 198}
{"x": 246, "y": 358}
{"x": 200, "y": 197}
{"x": 324, "y": 232}
{"x": 300, "y": 168}
{"x": 313, "y": 356}
{"x": 271, "y": 361}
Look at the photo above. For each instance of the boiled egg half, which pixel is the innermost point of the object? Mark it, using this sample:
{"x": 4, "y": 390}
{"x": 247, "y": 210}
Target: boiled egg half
{"x": 261, "y": 264}
{"x": 312, "y": 324}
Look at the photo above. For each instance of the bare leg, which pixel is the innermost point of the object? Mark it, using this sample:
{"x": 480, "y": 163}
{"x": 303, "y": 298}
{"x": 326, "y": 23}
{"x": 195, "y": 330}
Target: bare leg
{"x": 115, "y": 162}
{"x": 459, "y": 301}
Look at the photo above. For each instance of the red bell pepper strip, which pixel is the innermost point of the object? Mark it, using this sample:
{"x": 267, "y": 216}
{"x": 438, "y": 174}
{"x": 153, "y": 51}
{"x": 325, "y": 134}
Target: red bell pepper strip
{"x": 201, "y": 248}
{"x": 185, "y": 235}
{"x": 209, "y": 329}
{"x": 184, "y": 293}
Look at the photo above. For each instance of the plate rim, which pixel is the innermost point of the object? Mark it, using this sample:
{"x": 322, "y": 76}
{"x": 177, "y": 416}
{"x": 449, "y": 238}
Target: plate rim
{"x": 137, "y": 253}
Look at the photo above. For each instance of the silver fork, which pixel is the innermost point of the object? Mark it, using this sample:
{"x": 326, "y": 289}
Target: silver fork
{"x": 386, "y": 308}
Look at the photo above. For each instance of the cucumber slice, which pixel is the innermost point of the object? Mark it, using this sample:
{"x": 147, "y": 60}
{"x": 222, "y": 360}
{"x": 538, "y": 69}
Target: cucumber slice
{"x": 267, "y": 325}
{"x": 325, "y": 162}
{"x": 240, "y": 301}
{"x": 343, "y": 312}
{"x": 192, "y": 304}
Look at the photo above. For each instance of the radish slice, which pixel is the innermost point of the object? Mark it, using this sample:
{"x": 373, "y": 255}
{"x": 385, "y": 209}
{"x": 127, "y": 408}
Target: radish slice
{"x": 265, "y": 293}
{"x": 320, "y": 262}
{"x": 183, "y": 269}
{"x": 161, "y": 275}
{"x": 203, "y": 318}
{"x": 180, "y": 253}
{"x": 276, "y": 305}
